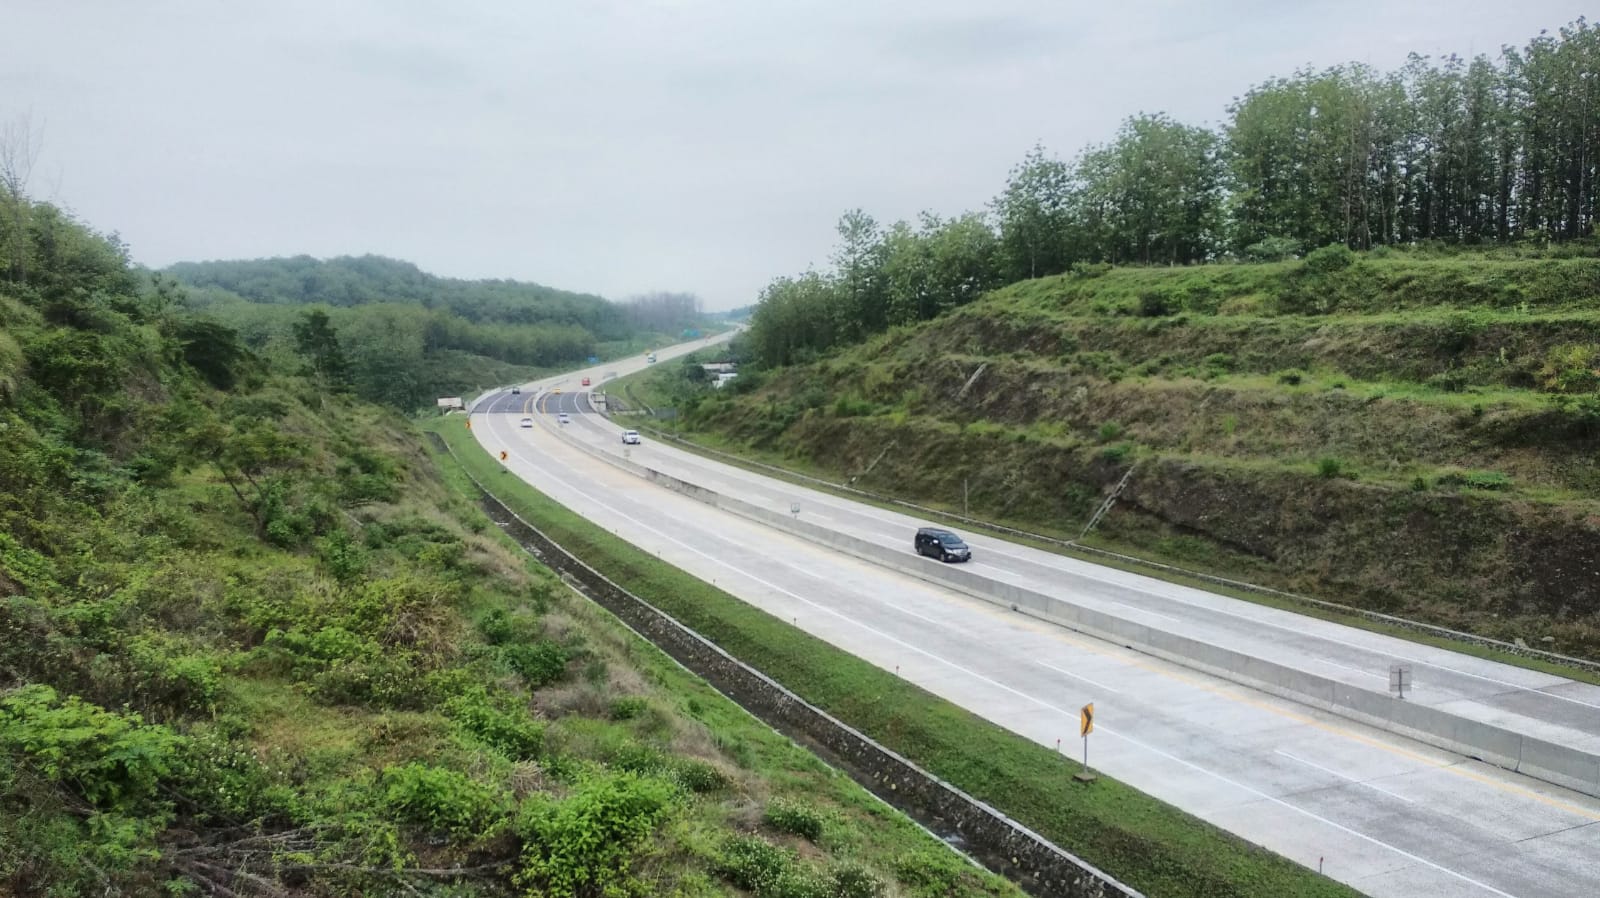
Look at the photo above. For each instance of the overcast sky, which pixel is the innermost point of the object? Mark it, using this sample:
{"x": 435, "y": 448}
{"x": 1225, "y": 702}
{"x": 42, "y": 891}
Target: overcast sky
{"x": 621, "y": 147}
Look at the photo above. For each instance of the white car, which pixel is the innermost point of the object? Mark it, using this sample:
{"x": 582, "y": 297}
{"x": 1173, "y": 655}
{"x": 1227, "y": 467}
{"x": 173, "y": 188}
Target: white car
{"x": 630, "y": 437}
{"x": 526, "y": 422}
{"x": 561, "y": 418}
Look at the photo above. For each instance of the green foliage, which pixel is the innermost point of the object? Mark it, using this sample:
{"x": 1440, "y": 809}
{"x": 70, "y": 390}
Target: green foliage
{"x": 588, "y": 842}
{"x": 115, "y": 761}
{"x": 795, "y": 818}
{"x": 443, "y": 800}
{"x": 1110, "y": 431}
{"x": 1476, "y": 480}
{"x": 628, "y": 707}
{"x": 1571, "y": 368}
{"x": 1329, "y": 468}
{"x": 1329, "y": 259}
{"x": 1273, "y": 249}
{"x": 754, "y": 864}
{"x": 539, "y": 663}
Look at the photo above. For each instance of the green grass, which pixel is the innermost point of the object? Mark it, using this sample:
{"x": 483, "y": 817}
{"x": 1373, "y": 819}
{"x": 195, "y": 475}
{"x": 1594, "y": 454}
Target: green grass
{"x": 1147, "y": 843}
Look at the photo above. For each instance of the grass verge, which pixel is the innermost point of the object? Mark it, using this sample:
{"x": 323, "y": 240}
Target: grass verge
{"x": 1141, "y": 840}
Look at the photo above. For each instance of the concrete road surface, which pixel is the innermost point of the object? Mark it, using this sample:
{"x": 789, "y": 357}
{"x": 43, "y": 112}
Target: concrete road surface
{"x": 1389, "y": 816}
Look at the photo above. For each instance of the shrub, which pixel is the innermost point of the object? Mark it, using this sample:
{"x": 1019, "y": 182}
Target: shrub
{"x": 539, "y": 663}
{"x": 1273, "y": 249}
{"x": 1219, "y": 363}
{"x": 795, "y": 818}
{"x": 852, "y": 880}
{"x": 442, "y": 800}
{"x": 1291, "y": 377}
{"x": 1110, "y": 431}
{"x": 1571, "y": 368}
{"x": 112, "y": 760}
{"x": 513, "y": 732}
{"x": 1328, "y": 468}
{"x": 754, "y": 864}
{"x": 628, "y": 707}
{"x": 1329, "y": 259}
{"x": 1116, "y": 453}
{"x": 698, "y": 776}
{"x": 586, "y": 843}
{"x": 1153, "y": 305}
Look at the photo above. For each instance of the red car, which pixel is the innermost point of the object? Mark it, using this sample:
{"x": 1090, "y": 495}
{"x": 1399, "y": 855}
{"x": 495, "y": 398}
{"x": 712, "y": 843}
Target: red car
{"x": 586, "y": 381}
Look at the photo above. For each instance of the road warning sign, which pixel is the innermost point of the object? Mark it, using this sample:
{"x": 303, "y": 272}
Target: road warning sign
{"x": 1086, "y": 720}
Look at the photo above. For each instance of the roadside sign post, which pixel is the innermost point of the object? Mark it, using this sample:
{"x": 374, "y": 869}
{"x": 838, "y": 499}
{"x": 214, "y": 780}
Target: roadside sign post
{"x": 794, "y": 509}
{"x": 1399, "y": 679}
{"x": 1085, "y": 727}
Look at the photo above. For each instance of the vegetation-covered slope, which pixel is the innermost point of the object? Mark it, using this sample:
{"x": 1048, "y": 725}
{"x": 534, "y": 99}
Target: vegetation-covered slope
{"x": 409, "y": 336}
{"x": 251, "y": 643}
{"x": 1407, "y": 434}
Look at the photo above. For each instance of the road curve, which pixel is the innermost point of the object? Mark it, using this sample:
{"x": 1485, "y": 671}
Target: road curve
{"x": 1382, "y": 813}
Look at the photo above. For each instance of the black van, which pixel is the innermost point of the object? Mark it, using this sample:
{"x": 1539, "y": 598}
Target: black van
{"x": 942, "y": 544}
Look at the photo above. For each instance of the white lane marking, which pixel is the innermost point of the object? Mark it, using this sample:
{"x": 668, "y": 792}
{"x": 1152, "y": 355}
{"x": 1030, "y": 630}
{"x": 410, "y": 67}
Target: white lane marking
{"x": 1345, "y": 777}
{"x": 1078, "y": 676}
{"x": 1070, "y": 714}
{"x": 693, "y": 461}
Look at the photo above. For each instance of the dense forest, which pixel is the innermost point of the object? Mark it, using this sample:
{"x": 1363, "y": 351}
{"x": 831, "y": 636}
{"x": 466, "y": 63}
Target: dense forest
{"x": 405, "y": 336}
{"x": 1499, "y": 151}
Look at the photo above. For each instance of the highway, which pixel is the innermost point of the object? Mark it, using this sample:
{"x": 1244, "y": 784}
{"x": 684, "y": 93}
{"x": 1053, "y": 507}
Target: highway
{"x": 1388, "y": 815}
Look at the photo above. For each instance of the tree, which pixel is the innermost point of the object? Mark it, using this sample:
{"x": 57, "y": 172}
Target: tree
{"x": 317, "y": 341}
{"x": 1033, "y": 216}
{"x": 19, "y": 150}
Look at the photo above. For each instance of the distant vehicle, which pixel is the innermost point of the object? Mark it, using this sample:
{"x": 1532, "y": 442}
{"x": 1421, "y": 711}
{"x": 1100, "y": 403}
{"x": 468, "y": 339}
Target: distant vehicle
{"x": 516, "y": 391}
{"x": 561, "y": 418}
{"x": 630, "y": 437}
{"x": 942, "y": 544}
{"x": 526, "y": 422}
{"x": 586, "y": 381}
{"x": 650, "y": 359}
{"x": 556, "y": 391}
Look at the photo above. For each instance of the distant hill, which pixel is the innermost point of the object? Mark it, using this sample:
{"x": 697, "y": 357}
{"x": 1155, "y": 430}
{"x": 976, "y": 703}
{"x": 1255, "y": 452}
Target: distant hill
{"x": 347, "y": 281}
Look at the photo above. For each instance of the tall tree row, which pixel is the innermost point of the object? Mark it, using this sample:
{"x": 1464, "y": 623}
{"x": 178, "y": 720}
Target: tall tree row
{"x": 1487, "y": 150}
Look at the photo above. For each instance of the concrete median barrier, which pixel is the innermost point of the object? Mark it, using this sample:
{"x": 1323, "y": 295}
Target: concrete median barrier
{"x": 1561, "y": 765}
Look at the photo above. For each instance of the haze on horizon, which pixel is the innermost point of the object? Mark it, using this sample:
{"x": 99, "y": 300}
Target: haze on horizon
{"x": 624, "y": 147}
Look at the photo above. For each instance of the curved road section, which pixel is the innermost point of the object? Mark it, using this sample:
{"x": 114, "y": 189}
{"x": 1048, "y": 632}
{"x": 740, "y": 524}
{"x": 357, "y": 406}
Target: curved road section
{"x": 1385, "y": 814}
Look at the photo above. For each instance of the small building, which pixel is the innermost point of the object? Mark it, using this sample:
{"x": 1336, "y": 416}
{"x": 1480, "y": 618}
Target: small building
{"x": 723, "y": 378}
{"x": 451, "y": 402}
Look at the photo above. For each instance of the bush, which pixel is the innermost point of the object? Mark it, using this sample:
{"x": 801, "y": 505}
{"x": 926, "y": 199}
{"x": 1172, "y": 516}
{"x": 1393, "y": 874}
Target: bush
{"x": 754, "y": 864}
{"x": 1291, "y": 377}
{"x": 539, "y": 663}
{"x": 442, "y": 800}
{"x": 513, "y": 732}
{"x": 1117, "y": 453}
{"x": 628, "y": 707}
{"x": 112, "y": 760}
{"x": 1571, "y": 368}
{"x": 1273, "y": 249}
{"x": 1328, "y": 468}
{"x": 586, "y": 843}
{"x": 1476, "y": 480}
{"x": 1153, "y": 305}
{"x": 698, "y": 776}
{"x": 855, "y": 881}
{"x": 1110, "y": 431}
{"x": 1329, "y": 259}
{"x": 795, "y": 818}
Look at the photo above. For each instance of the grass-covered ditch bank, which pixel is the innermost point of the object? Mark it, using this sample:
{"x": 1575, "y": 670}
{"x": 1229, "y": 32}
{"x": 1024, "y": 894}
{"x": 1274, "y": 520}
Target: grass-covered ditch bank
{"x": 1142, "y": 841}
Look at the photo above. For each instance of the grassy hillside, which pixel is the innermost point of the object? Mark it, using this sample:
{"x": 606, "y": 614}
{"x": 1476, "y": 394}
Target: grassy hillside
{"x": 1407, "y": 434}
{"x": 253, "y": 643}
